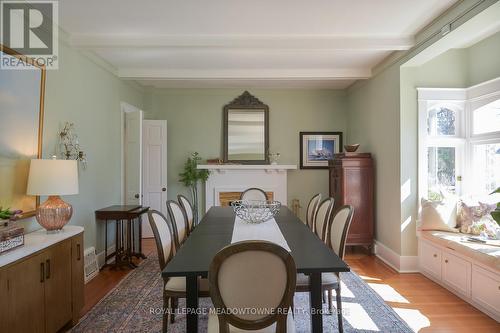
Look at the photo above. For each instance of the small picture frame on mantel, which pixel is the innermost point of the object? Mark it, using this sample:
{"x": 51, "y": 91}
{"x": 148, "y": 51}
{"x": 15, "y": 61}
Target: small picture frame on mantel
{"x": 317, "y": 148}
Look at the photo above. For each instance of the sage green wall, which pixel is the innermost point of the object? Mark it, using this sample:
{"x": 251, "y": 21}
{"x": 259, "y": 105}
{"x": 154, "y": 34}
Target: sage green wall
{"x": 195, "y": 124}
{"x": 484, "y": 60}
{"x": 373, "y": 121}
{"x": 84, "y": 93}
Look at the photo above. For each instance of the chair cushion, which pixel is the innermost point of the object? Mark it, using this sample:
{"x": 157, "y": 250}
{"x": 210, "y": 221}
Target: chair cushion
{"x": 488, "y": 255}
{"x": 326, "y": 278}
{"x": 178, "y": 284}
{"x": 213, "y": 325}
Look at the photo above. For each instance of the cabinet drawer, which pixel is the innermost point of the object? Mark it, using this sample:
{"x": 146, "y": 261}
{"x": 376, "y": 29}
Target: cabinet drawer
{"x": 486, "y": 289}
{"x": 456, "y": 273}
{"x": 430, "y": 259}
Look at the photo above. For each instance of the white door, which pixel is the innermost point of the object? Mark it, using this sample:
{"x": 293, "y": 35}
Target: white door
{"x": 132, "y": 154}
{"x": 155, "y": 168}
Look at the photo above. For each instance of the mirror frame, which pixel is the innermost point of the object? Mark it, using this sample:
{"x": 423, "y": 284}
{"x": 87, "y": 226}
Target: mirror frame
{"x": 33, "y": 62}
{"x": 250, "y": 103}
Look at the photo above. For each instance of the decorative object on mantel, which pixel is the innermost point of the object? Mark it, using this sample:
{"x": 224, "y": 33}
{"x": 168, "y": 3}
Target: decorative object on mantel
{"x": 351, "y": 148}
{"x": 256, "y": 211}
{"x": 317, "y": 148}
{"x": 190, "y": 178}
{"x": 215, "y": 161}
{"x": 246, "y": 131}
{"x": 11, "y": 236}
{"x": 53, "y": 178}
{"x": 275, "y": 158}
{"x": 70, "y": 146}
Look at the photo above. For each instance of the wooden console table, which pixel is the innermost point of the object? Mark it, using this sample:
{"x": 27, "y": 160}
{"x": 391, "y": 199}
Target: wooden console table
{"x": 41, "y": 282}
{"x": 124, "y": 217}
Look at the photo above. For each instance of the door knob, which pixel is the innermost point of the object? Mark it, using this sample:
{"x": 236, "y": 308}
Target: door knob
{"x": 136, "y": 196}
{"x": 163, "y": 189}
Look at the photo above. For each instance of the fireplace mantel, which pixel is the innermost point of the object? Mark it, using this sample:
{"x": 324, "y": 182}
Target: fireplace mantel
{"x": 265, "y": 167}
{"x": 230, "y": 178}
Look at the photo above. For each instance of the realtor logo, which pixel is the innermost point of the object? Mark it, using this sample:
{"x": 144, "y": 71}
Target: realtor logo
{"x": 30, "y": 28}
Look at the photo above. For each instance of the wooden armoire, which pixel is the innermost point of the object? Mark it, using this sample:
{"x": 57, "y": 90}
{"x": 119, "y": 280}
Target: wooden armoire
{"x": 352, "y": 183}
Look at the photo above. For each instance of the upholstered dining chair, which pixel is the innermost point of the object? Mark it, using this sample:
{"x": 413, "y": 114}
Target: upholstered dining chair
{"x": 253, "y": 194}
{"x": 174, "y": 287}
{"x": 312, "y": 208}
{"x": 337, "y": 235}
{"x": 188, "y": 211}
{"x": 179, "y": 219}
{"x": 323, "y": 217}
{"x": 257, "y": 275}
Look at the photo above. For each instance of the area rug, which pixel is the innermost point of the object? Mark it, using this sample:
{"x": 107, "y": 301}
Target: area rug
{"x": 135, "y": 305}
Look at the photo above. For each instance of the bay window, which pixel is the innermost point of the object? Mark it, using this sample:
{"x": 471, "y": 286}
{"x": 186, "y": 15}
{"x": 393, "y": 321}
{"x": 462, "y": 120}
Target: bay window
{"x": 459, "y": 140}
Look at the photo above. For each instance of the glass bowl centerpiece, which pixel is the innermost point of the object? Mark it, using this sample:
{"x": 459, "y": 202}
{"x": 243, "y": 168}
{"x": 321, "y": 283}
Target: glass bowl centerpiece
{"x": 256, "y": 211}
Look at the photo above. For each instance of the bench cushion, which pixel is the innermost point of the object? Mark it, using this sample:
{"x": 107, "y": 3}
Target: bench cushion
{"x": 488, "y": 255}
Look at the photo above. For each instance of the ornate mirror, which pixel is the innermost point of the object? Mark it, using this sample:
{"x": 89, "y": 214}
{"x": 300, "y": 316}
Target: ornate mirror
{"x": 246, "y": 131}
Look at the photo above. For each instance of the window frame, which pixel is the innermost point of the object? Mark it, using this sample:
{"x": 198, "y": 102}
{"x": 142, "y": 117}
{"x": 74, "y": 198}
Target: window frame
{"x": 465, "y": 101}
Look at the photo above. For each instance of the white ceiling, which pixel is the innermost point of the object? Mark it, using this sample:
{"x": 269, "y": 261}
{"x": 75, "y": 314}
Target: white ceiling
{"x": 235, "y": 43}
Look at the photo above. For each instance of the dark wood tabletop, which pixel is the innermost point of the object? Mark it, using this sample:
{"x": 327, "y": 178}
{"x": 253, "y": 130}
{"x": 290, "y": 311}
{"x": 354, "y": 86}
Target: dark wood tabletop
{"x": 215, "y": 231}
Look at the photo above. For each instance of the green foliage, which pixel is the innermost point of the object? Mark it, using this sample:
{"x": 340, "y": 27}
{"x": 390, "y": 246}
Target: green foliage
{"x": 7, "y": 214}
{"x": 191, "y": 175}
{"x": 435, "y": 196}
{"x": 496, "y": 213}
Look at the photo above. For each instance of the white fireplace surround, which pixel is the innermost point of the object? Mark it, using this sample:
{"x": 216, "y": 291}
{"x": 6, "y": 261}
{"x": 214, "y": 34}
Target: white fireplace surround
{"x": 237, "y": 178}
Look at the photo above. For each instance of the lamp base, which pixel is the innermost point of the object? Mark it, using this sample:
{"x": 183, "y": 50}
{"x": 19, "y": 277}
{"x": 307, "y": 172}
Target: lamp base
{"x": 54, "y": 213}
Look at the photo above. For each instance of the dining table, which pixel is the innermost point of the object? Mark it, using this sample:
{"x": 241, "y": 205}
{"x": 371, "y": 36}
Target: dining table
{"x": 215, "y": 231}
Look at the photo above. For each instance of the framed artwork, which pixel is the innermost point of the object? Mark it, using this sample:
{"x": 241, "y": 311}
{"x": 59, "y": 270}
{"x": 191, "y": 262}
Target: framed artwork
{"x": 21, "y": 124}
{"x": 317, "y": 148}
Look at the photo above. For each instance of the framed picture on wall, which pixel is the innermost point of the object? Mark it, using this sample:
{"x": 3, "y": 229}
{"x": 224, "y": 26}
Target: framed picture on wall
{"x": 316, "y": 148}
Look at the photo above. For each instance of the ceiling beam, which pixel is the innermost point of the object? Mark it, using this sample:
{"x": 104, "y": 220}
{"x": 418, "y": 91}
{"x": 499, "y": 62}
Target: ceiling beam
{"x": 312, "y": 42}
{"x": 268, "y": 74}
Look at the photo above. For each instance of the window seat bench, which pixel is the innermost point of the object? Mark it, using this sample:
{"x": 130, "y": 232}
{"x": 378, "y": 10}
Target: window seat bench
{"x": 468, "y": 269}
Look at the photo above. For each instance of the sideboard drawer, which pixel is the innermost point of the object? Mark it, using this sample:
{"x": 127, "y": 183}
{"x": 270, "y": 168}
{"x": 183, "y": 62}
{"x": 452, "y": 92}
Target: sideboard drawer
{"x": 456, "y": 273}
{"x": 430, "y": 259}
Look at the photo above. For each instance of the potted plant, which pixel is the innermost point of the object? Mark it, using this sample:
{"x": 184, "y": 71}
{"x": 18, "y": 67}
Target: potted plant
{"x": 190, "y": 178}
{"x": 7, "y": 215}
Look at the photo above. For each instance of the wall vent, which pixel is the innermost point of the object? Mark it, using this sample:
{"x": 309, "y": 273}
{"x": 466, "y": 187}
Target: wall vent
{"x": 90, "y": 263}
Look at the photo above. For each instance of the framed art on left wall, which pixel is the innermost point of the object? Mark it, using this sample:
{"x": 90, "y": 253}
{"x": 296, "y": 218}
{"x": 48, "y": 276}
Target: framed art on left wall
{"x": 317, "y": 148}
{"x": 22, "y": 92}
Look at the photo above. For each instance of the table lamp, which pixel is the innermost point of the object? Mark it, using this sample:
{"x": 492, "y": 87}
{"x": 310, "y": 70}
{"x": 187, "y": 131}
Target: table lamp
{"x": 53, "y": 178}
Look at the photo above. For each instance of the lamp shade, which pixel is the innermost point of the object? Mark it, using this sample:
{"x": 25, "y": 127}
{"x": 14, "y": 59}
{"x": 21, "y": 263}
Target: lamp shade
{"x": 53, "y": 177}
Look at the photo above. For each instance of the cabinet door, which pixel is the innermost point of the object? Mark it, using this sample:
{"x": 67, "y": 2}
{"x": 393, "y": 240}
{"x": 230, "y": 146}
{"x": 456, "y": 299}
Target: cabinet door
{"x": 25, "y": 298}
{"x": 456, "y": 273}
{"x": 77, "y": 276}
{"x": 430, "y": 259}
{"x": 486, "y": 289}
{"x": 58, "y": 286}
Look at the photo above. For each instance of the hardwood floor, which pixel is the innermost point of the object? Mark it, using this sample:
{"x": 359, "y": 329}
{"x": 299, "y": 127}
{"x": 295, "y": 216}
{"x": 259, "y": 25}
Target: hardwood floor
{"x": 423, "y": 304}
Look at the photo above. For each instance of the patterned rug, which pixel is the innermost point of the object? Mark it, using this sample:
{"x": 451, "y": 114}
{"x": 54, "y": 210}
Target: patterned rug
{"x": 135, "y": 305}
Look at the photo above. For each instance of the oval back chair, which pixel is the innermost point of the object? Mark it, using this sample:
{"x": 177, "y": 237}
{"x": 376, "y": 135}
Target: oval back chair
{"x": 254, "y": 194}
{"x": 323, "y": 217}
{"x": 178, "y": 217}
{"x": 188, "y": 210}
{"x": 339, "y": 228}
{"x": 312, "y": 207}
{"x": 252, "y": 275}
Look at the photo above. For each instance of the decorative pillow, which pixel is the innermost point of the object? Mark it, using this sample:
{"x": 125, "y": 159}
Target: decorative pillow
{"x": 486, "y": 227}
{"x": 438, "y": 215}
{"x": 468, "y": 214}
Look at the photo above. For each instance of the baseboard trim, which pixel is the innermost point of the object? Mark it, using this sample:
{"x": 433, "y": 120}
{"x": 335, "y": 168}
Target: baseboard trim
{"x": 100, "y": 256}
{"x": 401, "y": 264}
